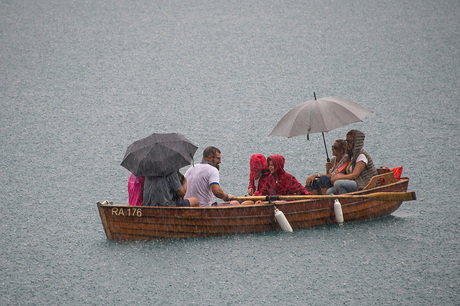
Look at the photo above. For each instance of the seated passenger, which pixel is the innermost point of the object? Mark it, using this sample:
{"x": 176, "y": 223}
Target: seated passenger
{"x": 279, "y": 181}
{"x": 337, "y": 164}
{"x": 194, "y": 202}
{"x": 204, "y": 178}
{"x": 258, "y": 174}
{"x": 361, "y": 168}
{"x": 136, "y": 190}
{"x": 167, "y": 191}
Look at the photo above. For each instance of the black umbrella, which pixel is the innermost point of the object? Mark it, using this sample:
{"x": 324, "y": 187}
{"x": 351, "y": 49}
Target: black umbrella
{"x": 158, "y": 154}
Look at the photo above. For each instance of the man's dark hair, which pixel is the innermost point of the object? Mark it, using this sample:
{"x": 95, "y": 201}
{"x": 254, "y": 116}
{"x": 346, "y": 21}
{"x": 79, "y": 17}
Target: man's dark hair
{"x": 210, "y": 151}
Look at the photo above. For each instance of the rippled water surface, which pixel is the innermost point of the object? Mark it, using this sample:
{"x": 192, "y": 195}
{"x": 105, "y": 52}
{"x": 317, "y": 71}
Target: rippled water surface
{"x": 81, "y": 80}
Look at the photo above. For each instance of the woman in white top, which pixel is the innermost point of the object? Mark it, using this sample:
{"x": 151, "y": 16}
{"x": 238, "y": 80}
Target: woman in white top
{"x": 360, "y": 170}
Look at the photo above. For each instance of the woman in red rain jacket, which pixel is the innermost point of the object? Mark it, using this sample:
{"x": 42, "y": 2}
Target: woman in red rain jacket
{"x": 279, "y": 181}
{"x": 258, "y": 176}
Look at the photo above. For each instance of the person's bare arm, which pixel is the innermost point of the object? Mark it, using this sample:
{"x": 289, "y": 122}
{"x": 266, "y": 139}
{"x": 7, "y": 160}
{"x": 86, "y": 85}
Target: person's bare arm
{"x": 181, "y": 192}
{"x": 328, "y": 166}
{"x": 219, "y": 193}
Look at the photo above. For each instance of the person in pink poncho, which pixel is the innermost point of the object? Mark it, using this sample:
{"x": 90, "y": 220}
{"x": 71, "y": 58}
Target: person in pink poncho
{"x": 136, "y": 190}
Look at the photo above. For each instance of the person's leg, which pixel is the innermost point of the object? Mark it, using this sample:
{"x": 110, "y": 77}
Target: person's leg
{"x": 194, "y": 202}
{"x": 330, "y": 191}
{"x": 345, "y": 186}
{"x": 324, "y": 182}
{"x": 183, "y": 203}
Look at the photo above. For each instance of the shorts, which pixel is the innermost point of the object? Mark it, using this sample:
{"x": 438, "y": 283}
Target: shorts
{"x": 183, "y": 203}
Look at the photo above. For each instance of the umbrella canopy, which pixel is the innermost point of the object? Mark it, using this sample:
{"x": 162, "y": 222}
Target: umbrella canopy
{"x": 158, "y": 154}
{"x": 322, "y": 115}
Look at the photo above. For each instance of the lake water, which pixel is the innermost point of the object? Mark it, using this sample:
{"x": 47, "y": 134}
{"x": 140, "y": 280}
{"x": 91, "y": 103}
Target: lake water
{"x": 81, "y": 80}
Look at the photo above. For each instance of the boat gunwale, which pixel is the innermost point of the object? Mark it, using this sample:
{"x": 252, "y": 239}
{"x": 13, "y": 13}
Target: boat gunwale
{"x": 275, "y": 203}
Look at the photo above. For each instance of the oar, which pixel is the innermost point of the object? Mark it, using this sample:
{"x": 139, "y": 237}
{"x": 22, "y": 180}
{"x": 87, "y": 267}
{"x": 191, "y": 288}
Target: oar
{"x": 379, "y": 196}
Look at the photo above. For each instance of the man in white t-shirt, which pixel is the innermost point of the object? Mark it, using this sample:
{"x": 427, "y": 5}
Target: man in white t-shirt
{"x": 203, "y": 179}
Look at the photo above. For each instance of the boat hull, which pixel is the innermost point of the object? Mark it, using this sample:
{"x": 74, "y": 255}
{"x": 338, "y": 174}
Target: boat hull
{"x": 123, "y": 222}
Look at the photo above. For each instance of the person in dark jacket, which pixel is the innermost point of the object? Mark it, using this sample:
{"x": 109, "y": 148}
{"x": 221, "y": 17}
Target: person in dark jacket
{"x": 167, "y": 190}
{"x": 279, "y": 181}
{"x": 359, "y": 172}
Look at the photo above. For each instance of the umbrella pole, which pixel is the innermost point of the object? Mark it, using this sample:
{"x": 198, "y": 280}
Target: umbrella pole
{"x": 325, "y": 147}
{"x": 324, "y": 140}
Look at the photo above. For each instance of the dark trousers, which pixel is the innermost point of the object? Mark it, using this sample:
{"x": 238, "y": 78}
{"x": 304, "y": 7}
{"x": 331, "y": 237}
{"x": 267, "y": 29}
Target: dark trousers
{"x": 318, "y": 183}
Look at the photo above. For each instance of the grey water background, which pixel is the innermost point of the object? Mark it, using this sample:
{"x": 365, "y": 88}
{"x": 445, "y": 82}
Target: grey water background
{"x": 81, "y": 80}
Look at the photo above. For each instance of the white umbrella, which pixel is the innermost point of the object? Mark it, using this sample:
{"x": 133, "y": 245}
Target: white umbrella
{"x": 322, "y": 115}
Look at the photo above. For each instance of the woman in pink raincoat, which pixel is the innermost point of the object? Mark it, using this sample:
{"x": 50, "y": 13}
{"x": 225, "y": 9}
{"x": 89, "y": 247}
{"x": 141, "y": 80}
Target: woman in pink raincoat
{"x": 136, "y": 190}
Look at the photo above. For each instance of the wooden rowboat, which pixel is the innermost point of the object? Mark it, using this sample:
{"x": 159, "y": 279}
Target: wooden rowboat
{"x": 124, "y": 222}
